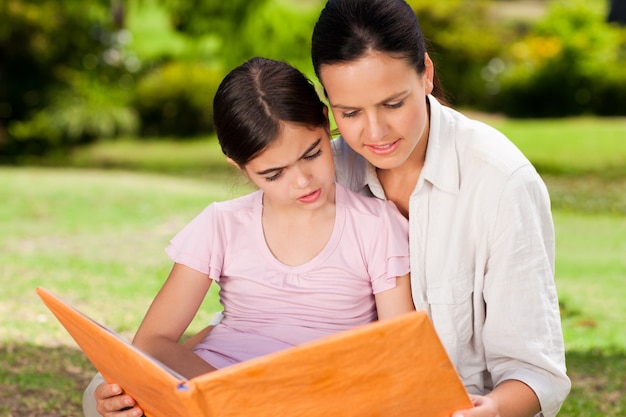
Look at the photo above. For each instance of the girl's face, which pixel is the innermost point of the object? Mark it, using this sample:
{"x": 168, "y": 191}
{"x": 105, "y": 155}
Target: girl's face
{"x": 296, "y": 170}
{"x": 379, "y": 105}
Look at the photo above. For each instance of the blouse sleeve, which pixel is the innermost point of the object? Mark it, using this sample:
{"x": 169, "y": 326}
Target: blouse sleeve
{"x": 198, "y": 244}
{"x": 522, "y": 333}
{"x": 388, "y": 256}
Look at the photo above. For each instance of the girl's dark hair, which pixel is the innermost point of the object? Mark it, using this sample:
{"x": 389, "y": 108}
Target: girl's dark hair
{"x": 253, "y": 100}
{"x": 348, "y": 29}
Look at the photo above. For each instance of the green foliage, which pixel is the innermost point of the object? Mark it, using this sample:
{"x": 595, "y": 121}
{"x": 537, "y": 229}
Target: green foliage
{"x": 285, "y": 30}
{"x": 244, "y": 28}
{"x": 572, "y": 62}
{"x": 87, "y": 112}
{"x": 177, "y": 99}
{"x": 48, "y": 50}
{"x": 462, "y": 40}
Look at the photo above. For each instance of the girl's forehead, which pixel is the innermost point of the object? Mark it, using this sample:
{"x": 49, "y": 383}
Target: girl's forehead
{"x": 293, "y": 141}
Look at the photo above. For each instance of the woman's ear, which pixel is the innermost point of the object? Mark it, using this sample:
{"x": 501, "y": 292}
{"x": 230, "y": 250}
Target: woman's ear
{"x": 429, "y": 74}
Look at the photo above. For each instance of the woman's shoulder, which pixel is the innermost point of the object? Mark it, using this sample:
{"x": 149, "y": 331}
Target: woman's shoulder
{"x": 477, "y": 141}
{"x": 350, "y": 167}
{"x": 361, "y": 205}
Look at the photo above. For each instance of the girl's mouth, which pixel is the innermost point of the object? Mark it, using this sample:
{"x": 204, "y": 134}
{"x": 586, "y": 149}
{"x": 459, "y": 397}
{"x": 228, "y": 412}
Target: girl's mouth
{"x": 311, "y": 197}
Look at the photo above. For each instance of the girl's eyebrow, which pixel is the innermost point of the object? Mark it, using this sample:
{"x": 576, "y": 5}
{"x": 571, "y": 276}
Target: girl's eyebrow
{"x": 386, "y": 100}
{"x": 304, "y": 154}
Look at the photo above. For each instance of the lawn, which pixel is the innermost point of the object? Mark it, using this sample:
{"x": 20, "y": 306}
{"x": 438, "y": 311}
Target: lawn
{"x": 94, "y": 233}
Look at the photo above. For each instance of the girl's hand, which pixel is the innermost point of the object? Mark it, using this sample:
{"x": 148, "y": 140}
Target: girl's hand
{"x": 112, "y": 402}
{"x": 483, "y": 407}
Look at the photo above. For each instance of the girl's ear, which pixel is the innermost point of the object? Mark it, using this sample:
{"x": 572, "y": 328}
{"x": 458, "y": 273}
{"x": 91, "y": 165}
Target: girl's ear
{"x": 236, "y": 165}
{"x": 233, "y": 163}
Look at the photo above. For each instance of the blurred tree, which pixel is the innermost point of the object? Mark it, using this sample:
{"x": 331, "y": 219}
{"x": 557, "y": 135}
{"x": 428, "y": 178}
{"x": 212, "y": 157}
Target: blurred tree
{"x": 279, "y": 29}
{"x": 462, "y": 40}
{"x": 571, "y": 62}
{"x": 222, "y": 19}
{"x": 46, "y": 48}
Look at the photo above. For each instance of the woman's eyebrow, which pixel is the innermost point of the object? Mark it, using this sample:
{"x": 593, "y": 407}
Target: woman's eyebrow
{"x": 304, "y": 154}
{"x": 394, "y": 96}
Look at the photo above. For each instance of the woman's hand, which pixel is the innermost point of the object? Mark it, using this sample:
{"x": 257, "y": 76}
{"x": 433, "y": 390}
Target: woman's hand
{"x": 112, "y": 402}
{"x": 510, "y": 398}
{"x": 483, "y": 407}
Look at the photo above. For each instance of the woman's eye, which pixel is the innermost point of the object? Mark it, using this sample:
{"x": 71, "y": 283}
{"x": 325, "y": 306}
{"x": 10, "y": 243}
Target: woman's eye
{"x": 313, "y": 155}
{"x": 347, "y": 115}
{"x": 395, "y": 105}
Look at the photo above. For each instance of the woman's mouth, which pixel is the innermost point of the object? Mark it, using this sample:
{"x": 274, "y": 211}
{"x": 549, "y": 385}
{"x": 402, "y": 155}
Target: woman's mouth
{"x": 385, "y": 149}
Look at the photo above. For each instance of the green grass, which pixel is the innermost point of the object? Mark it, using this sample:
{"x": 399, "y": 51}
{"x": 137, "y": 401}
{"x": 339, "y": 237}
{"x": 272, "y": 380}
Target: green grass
{"x": 580, "y": 146}
{"x": 590, "y": 273}
{"x": 93, "y": 236}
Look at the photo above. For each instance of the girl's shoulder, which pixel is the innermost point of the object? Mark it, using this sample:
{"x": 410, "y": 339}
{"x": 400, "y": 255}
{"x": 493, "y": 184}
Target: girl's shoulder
{"x": 244, "y": 202}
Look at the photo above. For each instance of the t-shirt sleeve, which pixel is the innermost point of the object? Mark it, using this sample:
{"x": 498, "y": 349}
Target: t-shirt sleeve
{"x": 198, "y": 245}
{"x": 389, "y": 253}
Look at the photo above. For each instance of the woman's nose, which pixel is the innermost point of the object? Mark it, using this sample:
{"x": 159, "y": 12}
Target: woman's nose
{"x": 376, "y": 128}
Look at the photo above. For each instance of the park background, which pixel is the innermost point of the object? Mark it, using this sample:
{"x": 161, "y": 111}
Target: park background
{"x": 107, "y": 150}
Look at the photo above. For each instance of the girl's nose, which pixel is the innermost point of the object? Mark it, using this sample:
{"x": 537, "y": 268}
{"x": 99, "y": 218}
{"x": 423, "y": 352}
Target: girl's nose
{"x": 302, "y": 176}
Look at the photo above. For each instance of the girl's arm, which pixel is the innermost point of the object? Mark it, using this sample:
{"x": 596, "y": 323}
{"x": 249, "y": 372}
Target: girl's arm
{"x": 395, "y": 301}
{"x": 172, "y": 310}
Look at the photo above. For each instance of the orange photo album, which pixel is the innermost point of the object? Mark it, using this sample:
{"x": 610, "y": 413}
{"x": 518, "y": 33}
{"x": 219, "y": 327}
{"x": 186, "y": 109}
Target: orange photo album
{"x": 391, "y": 368}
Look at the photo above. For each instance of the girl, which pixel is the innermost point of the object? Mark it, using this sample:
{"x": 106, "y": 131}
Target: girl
{"x": 299, "y": 259}
{"x": 480, "y": 227}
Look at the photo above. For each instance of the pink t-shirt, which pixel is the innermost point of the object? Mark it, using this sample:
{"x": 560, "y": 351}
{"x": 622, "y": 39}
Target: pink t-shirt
{"x": 269, "y": 306}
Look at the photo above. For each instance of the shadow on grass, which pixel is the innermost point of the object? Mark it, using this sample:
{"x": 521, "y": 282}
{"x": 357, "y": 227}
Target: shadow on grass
{"x": 39, "y": 381}
{"x": 598, "y": 384}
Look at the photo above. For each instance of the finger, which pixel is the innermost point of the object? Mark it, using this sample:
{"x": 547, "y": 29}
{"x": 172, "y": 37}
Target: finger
{"x": 117, "y": 403}
{"x": 106, "y": 390}
{"x": 129, "y": 412}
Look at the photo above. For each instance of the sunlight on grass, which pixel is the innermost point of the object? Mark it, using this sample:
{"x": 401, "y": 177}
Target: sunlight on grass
{"x": 571, "y": 146}
{"x": 590, "y": 274}
{"x": 96, "y": 238}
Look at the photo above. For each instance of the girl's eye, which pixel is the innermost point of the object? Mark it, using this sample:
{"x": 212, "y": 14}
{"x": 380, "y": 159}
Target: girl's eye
{"x": 347, "y": 115}
{"x": 313, "y": 155}
{"x": 274, "y": 177}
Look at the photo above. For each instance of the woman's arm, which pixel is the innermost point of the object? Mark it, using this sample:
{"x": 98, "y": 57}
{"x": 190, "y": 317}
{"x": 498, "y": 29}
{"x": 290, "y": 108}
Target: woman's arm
{"x": 511, "y": 398}
{"x": 395, "y": 301}
{"x": 172, "y": 310}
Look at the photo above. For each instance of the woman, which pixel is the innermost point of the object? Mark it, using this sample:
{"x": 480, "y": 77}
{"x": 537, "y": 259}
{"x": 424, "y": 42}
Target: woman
{"x": 481, "y": 232}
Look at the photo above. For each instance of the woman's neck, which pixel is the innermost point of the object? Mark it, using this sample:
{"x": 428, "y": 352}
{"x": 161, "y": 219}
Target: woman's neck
{"x": 399, "y": 182}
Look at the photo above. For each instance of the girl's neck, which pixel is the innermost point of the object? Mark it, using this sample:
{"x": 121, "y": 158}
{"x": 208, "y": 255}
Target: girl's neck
{"x": 294, "y": 235}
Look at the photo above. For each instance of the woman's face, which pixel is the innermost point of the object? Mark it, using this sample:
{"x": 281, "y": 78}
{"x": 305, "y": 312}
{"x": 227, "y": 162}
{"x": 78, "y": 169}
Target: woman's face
{"x": 296, "y": 170}
{"x": 379, "y": 105}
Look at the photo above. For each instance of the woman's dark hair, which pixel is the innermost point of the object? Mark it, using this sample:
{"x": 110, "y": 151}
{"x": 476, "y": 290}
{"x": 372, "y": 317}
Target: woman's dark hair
{"x": 348, "y": 29}
{"x": 253, "y": 100}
